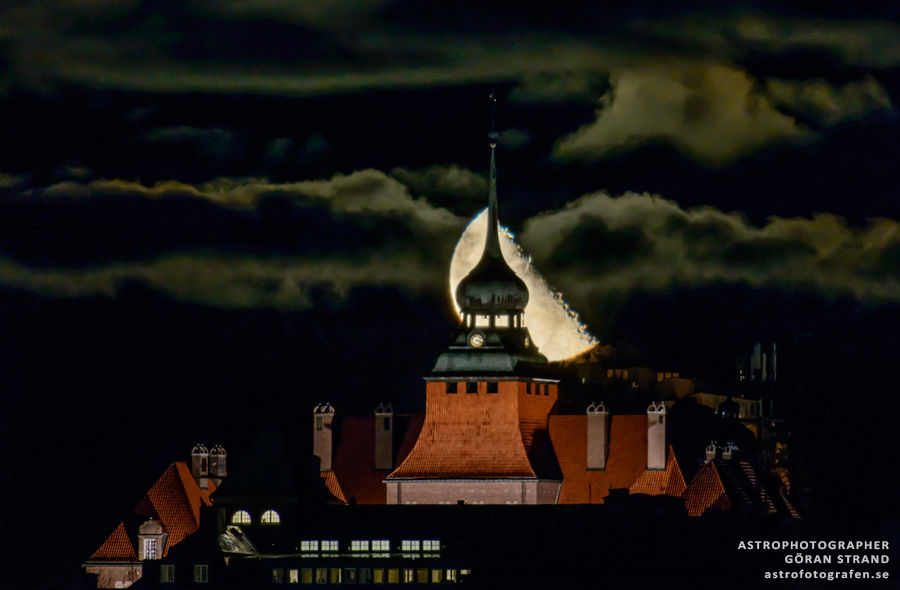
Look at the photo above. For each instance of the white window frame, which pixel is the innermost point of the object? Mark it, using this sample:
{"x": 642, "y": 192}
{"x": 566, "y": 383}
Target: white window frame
{"x": 410, "y": 545}
{"x": 270, "y": 517}
{"x": 381, "y": 545}
{"x": 359, "y": 545}
{"x": 151, "y": 547}
{"x": 431, "y": 545}
{"x": 309, "y": 545}
{"x": 201, "y": 573}
{"x": 329, "y": 545}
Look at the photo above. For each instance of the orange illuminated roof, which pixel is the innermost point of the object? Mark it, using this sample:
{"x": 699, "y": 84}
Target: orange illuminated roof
{"x": 116, "y": 547}
{"x": 654, "y": 483}
{"x": 353, "y": 478}
{"x": 467, "y": 437}
{"x": 175, "y": 501}
{"x": 706, "y": 492}
{"x": 627, "y": 457}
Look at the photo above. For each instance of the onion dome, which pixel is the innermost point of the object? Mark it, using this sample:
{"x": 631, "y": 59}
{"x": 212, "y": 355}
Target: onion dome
{"x": 492, "y": 286}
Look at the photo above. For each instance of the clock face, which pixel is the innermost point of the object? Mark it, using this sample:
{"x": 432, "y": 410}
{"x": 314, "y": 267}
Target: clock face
{"x": 476, "y": 340}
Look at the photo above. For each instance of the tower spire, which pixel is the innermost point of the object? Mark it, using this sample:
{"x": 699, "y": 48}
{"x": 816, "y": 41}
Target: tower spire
{"x": 492, "y": 245}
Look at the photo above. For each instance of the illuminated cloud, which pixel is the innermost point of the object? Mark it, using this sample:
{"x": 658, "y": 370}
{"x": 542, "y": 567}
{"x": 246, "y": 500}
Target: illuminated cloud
{"x": 600, "y": 247}
{"x": 710, "y": 112}
{"x": 828, "y": 105}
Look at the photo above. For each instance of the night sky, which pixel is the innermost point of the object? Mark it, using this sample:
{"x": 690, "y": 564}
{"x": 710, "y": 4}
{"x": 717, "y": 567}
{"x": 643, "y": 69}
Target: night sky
{"x": 215, "y": 214}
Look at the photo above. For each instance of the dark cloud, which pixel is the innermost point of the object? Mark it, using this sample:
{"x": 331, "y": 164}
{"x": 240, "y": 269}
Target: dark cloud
{"x": 210, "y": 142}
{"x": 233, "y": 243}
{"x": 827, "y": 105}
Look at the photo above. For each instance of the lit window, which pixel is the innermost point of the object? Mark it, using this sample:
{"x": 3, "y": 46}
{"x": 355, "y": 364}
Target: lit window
{"x": 501, "y": 321}
{"x": 409, "y": 576}
{"x": 451, "y": 575}
{"x": 309, "y": 545}
{"x": 293, "y": 577}
{"x": 381, "y": 545}
{"x": 465, "y": 572}
{"x": 482, "y": 321}
{"x": 270, "y": 517}
{"x": 393, "y": 576}
{"x": 149, "y": 548}
{"x": 335, "y": 575}
{"x": 306, "y": 576}
{"x": 167, "y": 573}
{"x": 329, "y": 545}
{"x": 278, "y": 575}
{"x": 240, "y": 517}
{"x": 201, "y": 573}
{"x": 378, "y": 576}
{"x": 436, "y": 576}
{"x": 321, "y": 575}
{"x": 493, "y": 387}
{"x": 431, "y": 545}
{"x": 359, "y": 545}
{"x": 410, "y": 545}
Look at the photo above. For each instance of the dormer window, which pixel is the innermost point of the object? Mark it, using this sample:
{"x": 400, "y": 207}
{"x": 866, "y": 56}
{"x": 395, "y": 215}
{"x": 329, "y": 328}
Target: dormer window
{"x": 241, "y": 517}
{"x": 150, "y": 547}
{"x": 270, "y": 517}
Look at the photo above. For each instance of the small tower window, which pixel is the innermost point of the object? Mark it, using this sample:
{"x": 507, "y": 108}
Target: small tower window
{"x": 451, "y": 386}
{"x": 493, "y": 387}
{"x": 482, "y": 321}
{"x": 319, "y": 423}
{"x": 387, "y": 423}
{"x": 241, "y": 517}
{"x": 471, "y": 387}
{"x": 501, "y": 321}
{"x": 270, "y": 517}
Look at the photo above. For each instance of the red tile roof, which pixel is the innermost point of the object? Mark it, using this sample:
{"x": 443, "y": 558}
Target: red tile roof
{"x": 353, "y": 477}
{"x": 669, "y": 482}
{"x": 175, "y": 501}
{"x": 334, "y": 486}
{"x": 116, "y": 547}
{"x": 467, "y": 436}
{"x": 627, "y": 458}
{"x": 706, "y": 492}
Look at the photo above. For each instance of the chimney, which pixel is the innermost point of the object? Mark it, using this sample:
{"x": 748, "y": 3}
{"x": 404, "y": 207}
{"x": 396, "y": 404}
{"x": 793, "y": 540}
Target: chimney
{"x": 710, "y": 451}
{"x": 217, "y": 464}
{"x": 656, "y": 436}
{"x": 384, "y": 437}
{"x": 728, "y": 451}
{"x": 323, "y": 415}
{"x": 200, "y": 465}
{"x": 597, "y": 436}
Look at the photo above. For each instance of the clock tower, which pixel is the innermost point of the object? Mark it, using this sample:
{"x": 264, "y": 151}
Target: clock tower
{"x": 484, "y": 437}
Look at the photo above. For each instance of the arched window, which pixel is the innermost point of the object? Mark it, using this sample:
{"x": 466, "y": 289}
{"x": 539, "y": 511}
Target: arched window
{"x": 270, "y": 517}
{"x": 241, "y": 517}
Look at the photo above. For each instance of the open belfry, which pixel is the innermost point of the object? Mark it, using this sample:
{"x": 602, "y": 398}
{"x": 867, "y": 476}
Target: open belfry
{"x": 488, "y": 435}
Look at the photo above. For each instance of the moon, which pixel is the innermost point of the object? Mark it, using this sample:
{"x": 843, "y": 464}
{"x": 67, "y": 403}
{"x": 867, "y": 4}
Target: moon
{"x": 553, "y": 325}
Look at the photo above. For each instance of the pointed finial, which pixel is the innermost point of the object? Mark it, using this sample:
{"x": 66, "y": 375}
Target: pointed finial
{"x": 492, "y": 246}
